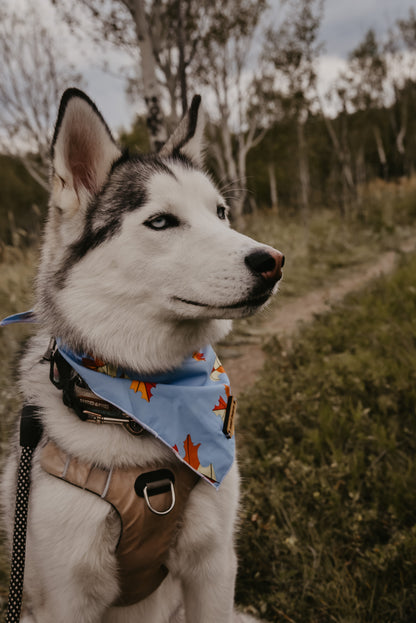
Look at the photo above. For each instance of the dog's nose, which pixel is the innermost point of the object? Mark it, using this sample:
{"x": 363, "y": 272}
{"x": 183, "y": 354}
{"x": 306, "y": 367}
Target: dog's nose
{"x": 267, "y": 263}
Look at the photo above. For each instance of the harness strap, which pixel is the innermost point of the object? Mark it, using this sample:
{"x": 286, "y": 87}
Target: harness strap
{"x": 30, "y": 434}
{"x": 145, "y": 537}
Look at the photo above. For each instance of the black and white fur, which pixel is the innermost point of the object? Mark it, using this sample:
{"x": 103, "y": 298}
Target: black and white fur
{"x": 140, "y": 268}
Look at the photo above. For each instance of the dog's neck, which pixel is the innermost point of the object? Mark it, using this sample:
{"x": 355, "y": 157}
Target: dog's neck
{"x": 150, "y": 352}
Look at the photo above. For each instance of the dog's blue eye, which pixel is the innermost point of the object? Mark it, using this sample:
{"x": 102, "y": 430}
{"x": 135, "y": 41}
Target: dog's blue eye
{"x": 221, "y": 213}
{"x": 162, "y": 221}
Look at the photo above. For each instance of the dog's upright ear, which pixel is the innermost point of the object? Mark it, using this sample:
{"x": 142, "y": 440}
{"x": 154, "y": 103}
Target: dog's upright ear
{"x": 83, "y": 151}
{"x": 187, "y": 139}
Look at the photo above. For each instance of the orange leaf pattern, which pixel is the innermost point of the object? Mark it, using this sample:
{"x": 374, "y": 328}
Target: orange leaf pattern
{"x": 143, "y": 388}
{"x": 92, "y": 363}
{"x": 220, "y": 408}
{"x": 198, "y": 356}
{"x": 191, "y": 452}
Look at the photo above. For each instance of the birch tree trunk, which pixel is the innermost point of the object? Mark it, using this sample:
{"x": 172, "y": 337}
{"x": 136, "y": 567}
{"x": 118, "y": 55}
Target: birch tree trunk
{"x": 402, "y": 130}
{"x": 361, "y": 177}
{"x": 231, "y": 161}
{"x": 273, "y": 188}
{"x": 303, "y": 168}
{"x": 380, "y": 150}
{"x": 182, "y": 62}
{"x": 235, "y": 175}
{"x": 151, "y": 88}
{"x": 343, "y": 155}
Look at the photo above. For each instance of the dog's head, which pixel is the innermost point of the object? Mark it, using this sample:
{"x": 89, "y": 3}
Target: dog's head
{"x": 139, "y": 259}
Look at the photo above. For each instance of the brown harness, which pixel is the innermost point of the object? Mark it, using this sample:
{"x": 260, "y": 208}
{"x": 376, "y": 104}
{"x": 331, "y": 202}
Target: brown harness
{"x": 146, "y": 536}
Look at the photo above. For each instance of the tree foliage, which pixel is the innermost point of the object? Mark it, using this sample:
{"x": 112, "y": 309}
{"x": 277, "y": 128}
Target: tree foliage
{"x": 268, "y": 130}
{"x": 373, "y": 133}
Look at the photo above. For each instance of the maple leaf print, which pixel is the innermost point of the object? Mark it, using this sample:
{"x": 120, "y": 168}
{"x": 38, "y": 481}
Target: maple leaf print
{"x": 220, "y": 408}
{"x": 91, "y": 363}
{"x": 191, "y": 452}
{"x": 217, "y": 370}
{"x": 100, "y": 366}
{"x": 198, "y": 356}
{"x": 144, "y": 388}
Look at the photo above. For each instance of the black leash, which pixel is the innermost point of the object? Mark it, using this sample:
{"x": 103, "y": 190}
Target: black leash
{"x": 30, "y": 434}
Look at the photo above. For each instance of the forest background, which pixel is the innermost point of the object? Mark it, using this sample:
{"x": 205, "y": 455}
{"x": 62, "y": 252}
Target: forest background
{"x": 326, "y": 177}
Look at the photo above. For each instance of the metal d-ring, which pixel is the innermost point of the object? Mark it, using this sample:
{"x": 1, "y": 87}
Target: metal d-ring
{"x": 146, "y": 497}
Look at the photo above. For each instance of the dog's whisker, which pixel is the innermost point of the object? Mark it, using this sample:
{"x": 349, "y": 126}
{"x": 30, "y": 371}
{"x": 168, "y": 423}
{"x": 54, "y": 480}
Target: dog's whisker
{"x": 236, "y": 190}
{"x": 232, "y": 183}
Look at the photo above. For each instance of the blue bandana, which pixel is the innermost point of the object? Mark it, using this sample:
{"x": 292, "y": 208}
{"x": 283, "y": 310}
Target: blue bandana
{"x": 27, "y": 316}
{"x": 184, "y": 408}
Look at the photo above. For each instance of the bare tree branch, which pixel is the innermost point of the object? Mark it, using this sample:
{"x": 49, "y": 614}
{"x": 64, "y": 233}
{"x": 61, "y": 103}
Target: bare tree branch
{"x": 31, "y": 83}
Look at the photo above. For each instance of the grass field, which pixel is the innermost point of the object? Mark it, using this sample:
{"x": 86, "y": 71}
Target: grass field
{"x": 327, "y": 439}
{"x": 16, "y": 294}
{"x": 316, "y": 254}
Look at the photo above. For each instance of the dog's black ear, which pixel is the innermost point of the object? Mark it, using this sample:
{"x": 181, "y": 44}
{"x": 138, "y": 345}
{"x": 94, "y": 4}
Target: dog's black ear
{"x": 187, "y": 139}
{"x": 83, "y": 149}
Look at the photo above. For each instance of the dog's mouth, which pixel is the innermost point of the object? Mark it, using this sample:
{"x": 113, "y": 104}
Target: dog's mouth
{"x": 250, "y": 303}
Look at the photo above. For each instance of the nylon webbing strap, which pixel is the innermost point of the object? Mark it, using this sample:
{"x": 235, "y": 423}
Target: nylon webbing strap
{"x": 30, "y": 434}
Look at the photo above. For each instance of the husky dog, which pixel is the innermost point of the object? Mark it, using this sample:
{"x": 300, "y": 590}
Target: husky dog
{"x": 140, "y": 268}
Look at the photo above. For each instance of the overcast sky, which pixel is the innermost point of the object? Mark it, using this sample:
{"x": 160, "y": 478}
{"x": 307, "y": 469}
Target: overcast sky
{"x": 346, "y": 21}
{"x": 344, "y": 26}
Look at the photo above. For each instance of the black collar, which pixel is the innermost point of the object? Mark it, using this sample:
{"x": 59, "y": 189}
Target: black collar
{"x": 78, "y": 396}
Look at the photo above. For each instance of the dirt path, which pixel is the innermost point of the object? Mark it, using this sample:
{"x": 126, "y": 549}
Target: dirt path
{"x": 243, "y": 360}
